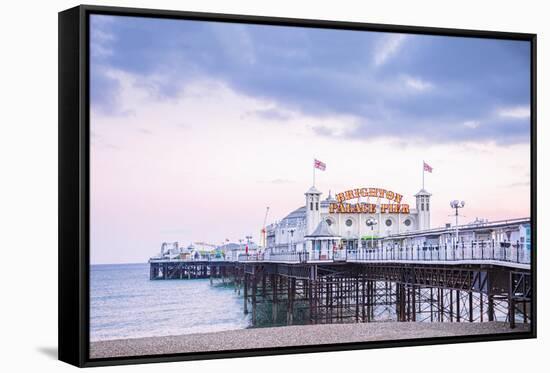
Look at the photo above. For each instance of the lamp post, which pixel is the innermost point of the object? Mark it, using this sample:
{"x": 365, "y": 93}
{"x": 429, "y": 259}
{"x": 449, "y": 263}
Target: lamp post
{"x": 371, "y": 223}
{"x": 248, "y": 239}
{"x": 291, "y": 230}
{"x": 456, "y": 204}
{"x": 241, "y": 245}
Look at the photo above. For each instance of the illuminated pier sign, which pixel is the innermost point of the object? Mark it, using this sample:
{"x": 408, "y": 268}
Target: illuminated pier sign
{"x": 361, "y": 207}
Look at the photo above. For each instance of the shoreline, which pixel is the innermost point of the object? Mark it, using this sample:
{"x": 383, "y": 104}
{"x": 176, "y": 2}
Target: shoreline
{"x": 290, "y": 336}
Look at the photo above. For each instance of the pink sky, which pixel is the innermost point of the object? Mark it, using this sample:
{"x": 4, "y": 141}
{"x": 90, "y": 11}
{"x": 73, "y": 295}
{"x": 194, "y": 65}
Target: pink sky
{"x": 204, "y": 165}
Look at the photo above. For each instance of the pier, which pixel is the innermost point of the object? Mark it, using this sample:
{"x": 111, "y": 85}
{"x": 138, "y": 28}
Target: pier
{"x": 486, "y": 281}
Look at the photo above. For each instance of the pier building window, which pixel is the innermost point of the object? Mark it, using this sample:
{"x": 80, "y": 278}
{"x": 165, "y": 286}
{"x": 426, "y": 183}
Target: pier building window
{"x": 311, "y": 206}
{"x": 422, "y": 206}
{"x": 388, "y": 223}
{"x": 329, "y": 222}
{"x": 316, "y": 206}
{"x": 427, "y": 206}
{"x": 407, "y": 222}
{"x": 349, "y": 222}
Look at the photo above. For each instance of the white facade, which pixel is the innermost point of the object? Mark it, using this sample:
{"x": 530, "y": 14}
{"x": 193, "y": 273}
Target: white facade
{"x": 290, "y": 233}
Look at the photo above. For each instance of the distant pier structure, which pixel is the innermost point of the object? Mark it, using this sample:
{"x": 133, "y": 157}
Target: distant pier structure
{"x": 464, "y": 281}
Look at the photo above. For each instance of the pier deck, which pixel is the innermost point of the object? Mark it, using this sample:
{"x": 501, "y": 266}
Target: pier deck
{"x": 369, "y": 286}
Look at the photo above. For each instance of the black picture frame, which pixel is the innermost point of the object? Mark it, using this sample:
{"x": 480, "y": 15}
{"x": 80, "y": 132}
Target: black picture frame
{"x": 74, "y": 190}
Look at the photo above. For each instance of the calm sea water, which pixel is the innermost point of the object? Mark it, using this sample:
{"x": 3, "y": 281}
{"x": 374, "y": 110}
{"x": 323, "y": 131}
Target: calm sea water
{"x": 124, "y": 303}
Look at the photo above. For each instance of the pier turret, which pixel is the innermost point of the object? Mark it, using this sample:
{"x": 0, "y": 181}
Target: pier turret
{"x": 313, "y": 209}
{"x": 423, "y": 209}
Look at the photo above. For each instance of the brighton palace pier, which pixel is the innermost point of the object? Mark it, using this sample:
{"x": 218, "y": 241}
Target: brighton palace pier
{"x": 369, "y": 219}
{"x": 366, "y": 255}
{"x": 323, "y": 226}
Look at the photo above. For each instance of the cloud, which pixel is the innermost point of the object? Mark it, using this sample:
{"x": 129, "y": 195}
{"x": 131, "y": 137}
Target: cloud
{"x": 101, "y": 39}
{"x": 437, "y": 88}
{"x": 418, "y": 84}
{"x": 272, "y": 114}
{"x": 515, "y": 112}
{"x": 473, "y": 124}
{"x": 387, "y": 47}
{"x": 236, "y": 42}
{"x": 336, "y": 127}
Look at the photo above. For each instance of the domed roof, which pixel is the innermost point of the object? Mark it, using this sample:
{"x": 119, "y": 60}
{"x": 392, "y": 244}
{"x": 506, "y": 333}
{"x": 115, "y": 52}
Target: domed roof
{"x": 298, "y": 213}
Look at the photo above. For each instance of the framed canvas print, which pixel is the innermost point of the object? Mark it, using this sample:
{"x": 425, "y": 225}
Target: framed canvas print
{"x": 238, "y": 185}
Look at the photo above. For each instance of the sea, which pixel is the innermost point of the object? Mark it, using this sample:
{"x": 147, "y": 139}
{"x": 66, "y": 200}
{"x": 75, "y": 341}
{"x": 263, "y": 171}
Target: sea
{"x": 124, "y": 303}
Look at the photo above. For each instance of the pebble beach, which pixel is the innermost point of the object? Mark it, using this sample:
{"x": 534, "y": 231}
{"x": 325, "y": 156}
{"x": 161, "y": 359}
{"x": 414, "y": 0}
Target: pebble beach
{"x": 292, "y": 336}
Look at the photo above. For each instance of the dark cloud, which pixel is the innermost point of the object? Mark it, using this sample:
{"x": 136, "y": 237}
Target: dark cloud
{"x": 425, "y": 87}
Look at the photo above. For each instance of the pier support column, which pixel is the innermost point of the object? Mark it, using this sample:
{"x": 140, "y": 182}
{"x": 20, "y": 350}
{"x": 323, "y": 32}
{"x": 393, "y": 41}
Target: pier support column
{"x": 450, "y": 305}
{"x": 470, "y": 307}
{"x": 490, "y": 308}
{"x": 363, "y": 298}
{"x": 431, "y": 304}
{"x": 254, "y": 290}
{"x": 245, "y": 293}
{"x": 274, "y": 289}
{"x": 441, "y": 301}
{"x": 311, "y": 301}
{"x": 372, "y": 299}
{"x": 413, "y": 300}
{"x": 400, "y": 302}
{"x": 408, "y": 303}
{"x": 328, "y": 300}
{"x": 481, "y": 307}
{"x": 290, "y": 307}
{"x": 357, "y": 299}
{"x": 511, "y": 304}
{"x": 458, "y": 306}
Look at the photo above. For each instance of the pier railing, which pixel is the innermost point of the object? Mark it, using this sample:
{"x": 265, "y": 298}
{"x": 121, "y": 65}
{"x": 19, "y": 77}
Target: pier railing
{"x": 299, "y": 257}
{"x": 475, "y": 251}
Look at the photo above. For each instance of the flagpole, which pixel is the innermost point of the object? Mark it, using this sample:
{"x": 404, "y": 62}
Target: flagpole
{"x": 423, "y": 171}
{"x": 314, "y": 172}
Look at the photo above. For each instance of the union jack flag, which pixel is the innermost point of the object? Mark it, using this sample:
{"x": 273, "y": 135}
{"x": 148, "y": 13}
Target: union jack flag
{"x": 320, "y": 165}
{"x": 428, "y": 168}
